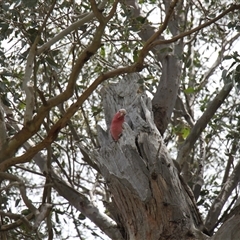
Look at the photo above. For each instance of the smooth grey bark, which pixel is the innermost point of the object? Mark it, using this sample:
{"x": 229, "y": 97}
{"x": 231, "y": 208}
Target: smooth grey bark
{"x": 222, "y": 197}
{"x": 150, "y": 199}
{"x": 165, "y": 97}
{"x": 202, "y": 122}
{"x": 229, "y": 230}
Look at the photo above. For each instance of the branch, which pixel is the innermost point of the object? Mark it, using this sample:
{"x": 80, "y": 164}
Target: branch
{"x": 28, "y": 88}
{"x": 22, "y": 188}
{"x": 81, "y": 203}
{"x": 227, "y": 213}
{"x": 229, "y": 230}
{"x": 231, "y": 155}
{"x": 44, "y": 211}
{"x": 33, "y": 126}
{"x": 185, "y": 113}
{"x": 22, "y": 219}
{"x": 217, "y": 61}
{"x": 76, "y": 199}
{"x": 3, "y": 130}
{"x": 182, "y": 35}
{"x": 11, "y": 215}
{"x": 96, "y": 11}
{"x": 222, "y": 197}
{"x": 27, "y": 85}
{"x": 75, "y": 135}
{"x": 113, "y": 10}
{"x": 199, "y": 178}
{"x": 202, "y": 123}
{"x": 148, "y": 44}
{"x": 61, "y": 123}
{"x": 39, "y": 215}
{"x": 71, "y": 28}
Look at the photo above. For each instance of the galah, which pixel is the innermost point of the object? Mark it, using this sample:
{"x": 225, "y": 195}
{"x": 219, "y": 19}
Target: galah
{"x": 116, "y": 125}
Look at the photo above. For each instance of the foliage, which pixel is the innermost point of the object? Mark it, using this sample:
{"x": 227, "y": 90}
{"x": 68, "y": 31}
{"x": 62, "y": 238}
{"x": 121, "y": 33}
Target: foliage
{"x": 64, "y": 137}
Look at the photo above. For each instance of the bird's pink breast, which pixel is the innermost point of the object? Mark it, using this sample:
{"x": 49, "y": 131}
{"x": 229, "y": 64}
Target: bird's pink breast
{"x": 116, "y": 127}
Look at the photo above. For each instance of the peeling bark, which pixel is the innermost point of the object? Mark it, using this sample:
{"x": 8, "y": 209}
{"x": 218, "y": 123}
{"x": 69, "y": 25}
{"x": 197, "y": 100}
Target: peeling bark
{"x": 150, "y": 198}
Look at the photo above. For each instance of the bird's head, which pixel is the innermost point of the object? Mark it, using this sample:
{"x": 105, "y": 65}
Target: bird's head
{"x": 122, "y": 112}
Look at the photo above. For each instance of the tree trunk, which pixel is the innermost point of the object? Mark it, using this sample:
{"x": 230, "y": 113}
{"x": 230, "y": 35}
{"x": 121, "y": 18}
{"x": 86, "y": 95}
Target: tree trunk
{"x": 149, "y": 198}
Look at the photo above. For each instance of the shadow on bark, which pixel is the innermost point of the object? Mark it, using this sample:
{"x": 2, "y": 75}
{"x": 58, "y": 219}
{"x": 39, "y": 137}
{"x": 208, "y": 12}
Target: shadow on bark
{"x": 149, "y": 198}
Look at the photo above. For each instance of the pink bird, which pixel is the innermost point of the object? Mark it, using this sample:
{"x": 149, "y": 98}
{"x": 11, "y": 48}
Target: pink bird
{"x": 116, "y": 125}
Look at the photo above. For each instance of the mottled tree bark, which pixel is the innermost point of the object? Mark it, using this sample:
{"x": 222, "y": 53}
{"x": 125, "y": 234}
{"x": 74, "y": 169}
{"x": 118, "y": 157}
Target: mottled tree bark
{"x": 149, "y": 197}
{"x": 170, "y": 57}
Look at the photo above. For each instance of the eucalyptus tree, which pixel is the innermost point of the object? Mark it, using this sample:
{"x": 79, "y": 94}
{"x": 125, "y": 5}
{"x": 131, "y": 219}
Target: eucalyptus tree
{"x": 67, "y": 67}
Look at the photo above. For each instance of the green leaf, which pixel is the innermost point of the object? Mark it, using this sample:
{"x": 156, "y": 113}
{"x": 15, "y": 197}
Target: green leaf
{"x": 213, "y": 15}
{"x": 224, "y": 74}
{"x": 189, "y": 63}
{"x": 51, "y": 62}
{"x": 25, "y": 211}
{"x": 2, "y": 86}
{"x": 227, "y": 57}
{"x": 150, "y": 12}
{"x": 185, "y": 132}
{"x": 141, "y": 19}
{"x": 96, "y": 110}
{"x": 33, "y": 32}
{"x": 23, "y": 55}
{"x": 81, "y": 216}
{"x": 17, "y": 202}
{"x": 102, "y": 51}
{"x": 189, "y": 90}
{"x": 56, "y": 217}
{"x": 135, "y": 54}
{"x": 16, "y": 97}
{"x": 199, "y": 203}
{"x": 237, "y": 77}
{"x": 5, "y": 101}
{"x": 30, "y": 3}
{"x": 5, "y": 6}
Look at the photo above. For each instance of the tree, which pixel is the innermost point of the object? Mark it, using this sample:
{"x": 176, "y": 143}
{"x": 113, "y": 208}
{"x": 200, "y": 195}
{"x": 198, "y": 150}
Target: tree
{"x": 68, "y": 65}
